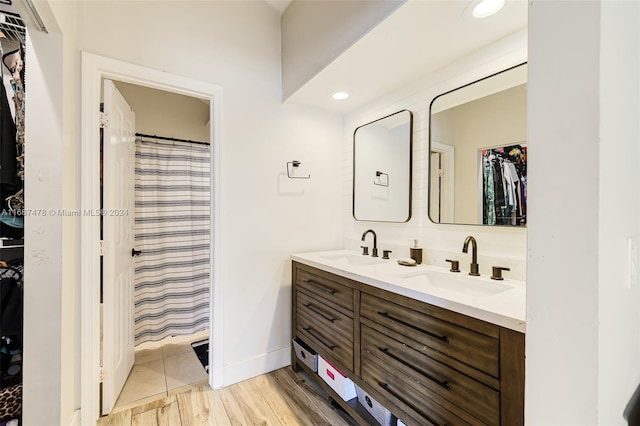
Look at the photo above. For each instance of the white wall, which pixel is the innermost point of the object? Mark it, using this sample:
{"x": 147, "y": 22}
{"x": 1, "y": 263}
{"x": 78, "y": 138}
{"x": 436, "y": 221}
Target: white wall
{"x": 583, "y": 316}
{"x": 44, "y": 340}
{"x": 67, "y": 14}
{"x": 563, "y": 260}
{"x": 51, "y": 381}
{"x": 496, "y": 246}
{"x": 619, "y": 299}
{"x": 264, "y": 216}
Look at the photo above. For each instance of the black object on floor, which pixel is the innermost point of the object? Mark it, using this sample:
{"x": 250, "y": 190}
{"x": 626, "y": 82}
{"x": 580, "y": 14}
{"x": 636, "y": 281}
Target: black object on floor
{"x": 201, "y": 349}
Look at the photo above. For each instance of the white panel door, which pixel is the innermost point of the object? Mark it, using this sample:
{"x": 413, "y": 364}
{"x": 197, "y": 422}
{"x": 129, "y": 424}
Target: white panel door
{"x": 118, "y": 236}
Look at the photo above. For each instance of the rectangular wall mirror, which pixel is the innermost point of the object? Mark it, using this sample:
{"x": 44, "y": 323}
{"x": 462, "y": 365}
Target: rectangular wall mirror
{"x": 382, "y": 155}
{"x": 478, "y": 152}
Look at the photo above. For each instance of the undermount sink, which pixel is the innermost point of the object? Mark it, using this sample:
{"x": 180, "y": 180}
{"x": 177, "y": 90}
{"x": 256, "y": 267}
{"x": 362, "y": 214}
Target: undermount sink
{"x": 464, "y": 284}
{"x": 354, "y": 259}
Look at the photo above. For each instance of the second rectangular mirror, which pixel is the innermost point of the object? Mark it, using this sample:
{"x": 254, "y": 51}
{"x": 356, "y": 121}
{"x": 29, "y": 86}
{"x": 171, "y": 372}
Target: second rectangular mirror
{"x": 478, "y": 152}
{"x": 382, "y": 169}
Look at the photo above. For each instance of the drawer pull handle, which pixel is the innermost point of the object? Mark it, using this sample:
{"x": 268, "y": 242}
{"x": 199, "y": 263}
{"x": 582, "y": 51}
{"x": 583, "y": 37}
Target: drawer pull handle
{"x": 315, "y": 336}
{"x": 317, "y": 311}
{"x": 444, "y": 384}
{"x": 386, "y": 387}
{"x": 444, "y": 339}
{"x": 320, "y": 287}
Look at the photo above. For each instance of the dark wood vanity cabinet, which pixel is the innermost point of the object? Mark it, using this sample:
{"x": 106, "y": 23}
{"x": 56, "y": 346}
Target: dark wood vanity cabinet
{"x": 426, "y": 364}
{"x": 324, "y": 316}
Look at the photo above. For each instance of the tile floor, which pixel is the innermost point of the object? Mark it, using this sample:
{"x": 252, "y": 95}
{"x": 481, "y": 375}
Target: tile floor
{"x": 163, "y": 369}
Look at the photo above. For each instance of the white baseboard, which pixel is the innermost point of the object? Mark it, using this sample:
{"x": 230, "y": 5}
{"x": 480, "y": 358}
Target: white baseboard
{"x": 253, "y": 367}
{"x": 76, "y": 420}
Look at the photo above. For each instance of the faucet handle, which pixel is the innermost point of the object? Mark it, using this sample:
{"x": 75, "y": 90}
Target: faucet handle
{"x": 455, "y": 265}
{"x": 385, "y": 254}
{"x": 497, "y": 272}
{"x": 365, "y": 250}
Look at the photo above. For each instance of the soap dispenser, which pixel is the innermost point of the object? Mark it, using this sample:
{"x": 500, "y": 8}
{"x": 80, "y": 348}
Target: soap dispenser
{"x": 415, "y": 252}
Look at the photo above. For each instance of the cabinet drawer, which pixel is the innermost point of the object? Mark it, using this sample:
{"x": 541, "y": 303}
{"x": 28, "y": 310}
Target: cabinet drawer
{"x": 396, "y": 390}
{"x": 432, "y": 376}
{"x": 472, "y": 348}
{"x": 324, "y": 316}
{"x": 326, "y": 288}
{"x": 334, "y": 346}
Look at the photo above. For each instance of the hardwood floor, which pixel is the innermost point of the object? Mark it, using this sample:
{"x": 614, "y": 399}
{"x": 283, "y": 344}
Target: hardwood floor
{"x": 281, "y": 397}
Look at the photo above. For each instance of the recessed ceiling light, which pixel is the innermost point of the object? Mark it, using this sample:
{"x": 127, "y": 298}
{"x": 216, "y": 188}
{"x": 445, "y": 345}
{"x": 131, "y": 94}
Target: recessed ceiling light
{"x": 340, "y": 96}
{"x": 487, "y": 8}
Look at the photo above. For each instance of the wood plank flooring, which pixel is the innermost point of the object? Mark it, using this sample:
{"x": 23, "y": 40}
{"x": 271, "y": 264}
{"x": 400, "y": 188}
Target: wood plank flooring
{"x": 281, "y": 397}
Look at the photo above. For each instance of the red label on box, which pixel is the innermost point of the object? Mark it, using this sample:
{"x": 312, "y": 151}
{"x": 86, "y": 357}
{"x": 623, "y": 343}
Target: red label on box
{"x": 330, "y": 374}
{"x": 335, "y": 368}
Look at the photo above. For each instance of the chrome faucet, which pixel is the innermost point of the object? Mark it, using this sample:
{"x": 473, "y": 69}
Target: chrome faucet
{"x": 474, "y": 254}
{"x": 374, "y": 251}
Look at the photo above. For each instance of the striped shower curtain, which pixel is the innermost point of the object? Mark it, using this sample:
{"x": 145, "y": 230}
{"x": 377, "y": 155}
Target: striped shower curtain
{"x": 172, "y": 229}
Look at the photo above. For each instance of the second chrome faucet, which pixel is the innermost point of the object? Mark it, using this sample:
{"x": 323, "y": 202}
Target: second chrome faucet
{"x": 473, "y": 268}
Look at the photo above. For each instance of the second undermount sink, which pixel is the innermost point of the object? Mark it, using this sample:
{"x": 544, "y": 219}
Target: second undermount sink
{"x": 354, "y": 259}
{"x": 472, "y": 286}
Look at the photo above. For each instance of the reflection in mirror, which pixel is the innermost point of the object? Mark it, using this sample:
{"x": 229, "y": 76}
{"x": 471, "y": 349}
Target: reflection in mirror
{"x": 478, "y": 152}
{"x": 382, "y": 169}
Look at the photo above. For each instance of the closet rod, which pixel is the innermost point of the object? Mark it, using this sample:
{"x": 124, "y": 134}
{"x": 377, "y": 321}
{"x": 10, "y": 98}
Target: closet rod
{"x": 165, "y": 138}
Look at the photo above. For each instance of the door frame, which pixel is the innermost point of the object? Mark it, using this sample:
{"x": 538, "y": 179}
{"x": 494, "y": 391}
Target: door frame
{"x": 449, "y": 151}
{"x": 94, "y": 69}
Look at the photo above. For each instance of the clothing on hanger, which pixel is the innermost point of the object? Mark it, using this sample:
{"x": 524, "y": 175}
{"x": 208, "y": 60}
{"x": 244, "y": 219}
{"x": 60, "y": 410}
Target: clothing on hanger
{"x": 504, "y": 185}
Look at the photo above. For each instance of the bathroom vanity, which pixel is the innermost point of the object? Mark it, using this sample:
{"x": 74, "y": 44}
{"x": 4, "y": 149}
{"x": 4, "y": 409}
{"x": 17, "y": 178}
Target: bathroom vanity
{"x": 432, "y": 346}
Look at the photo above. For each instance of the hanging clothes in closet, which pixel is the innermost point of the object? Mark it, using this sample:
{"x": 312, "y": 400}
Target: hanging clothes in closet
{"x": 12, "y": 52}
{"x": 172, "y": 231}
{"x": 12, "y": 67}
{"x": 11, "y": 338}
{"x": 504, "y": 189}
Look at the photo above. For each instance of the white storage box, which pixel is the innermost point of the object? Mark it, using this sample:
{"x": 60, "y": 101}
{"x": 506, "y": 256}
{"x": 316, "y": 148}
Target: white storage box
{"x": 401, "y": 423}
{"x": 336, "y": 379}
{"x": 379, "y": 412}
{"x": 306, "y": 354}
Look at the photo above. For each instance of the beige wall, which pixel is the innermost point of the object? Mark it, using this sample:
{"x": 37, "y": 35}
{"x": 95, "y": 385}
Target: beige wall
{"x": 493, "y": 121}
{"x": 167, "y": 114}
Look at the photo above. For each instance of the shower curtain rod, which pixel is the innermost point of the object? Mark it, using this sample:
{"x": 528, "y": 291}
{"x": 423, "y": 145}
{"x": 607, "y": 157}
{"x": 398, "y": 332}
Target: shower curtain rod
{"x": 142, "y": 135}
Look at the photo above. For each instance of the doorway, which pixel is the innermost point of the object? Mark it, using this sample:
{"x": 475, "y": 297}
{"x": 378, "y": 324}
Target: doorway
{"x": 95, "y": 69}
{"x": 156, "y": 247}
{"x": 441, "y": 191}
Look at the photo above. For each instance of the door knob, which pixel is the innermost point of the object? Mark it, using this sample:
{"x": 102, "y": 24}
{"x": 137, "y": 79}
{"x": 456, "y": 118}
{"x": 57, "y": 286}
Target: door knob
{"x": 135, "y": 252}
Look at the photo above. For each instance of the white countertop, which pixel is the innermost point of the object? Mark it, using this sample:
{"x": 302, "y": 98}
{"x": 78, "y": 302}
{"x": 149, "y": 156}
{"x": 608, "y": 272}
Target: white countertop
{"x": 499, "y": 302}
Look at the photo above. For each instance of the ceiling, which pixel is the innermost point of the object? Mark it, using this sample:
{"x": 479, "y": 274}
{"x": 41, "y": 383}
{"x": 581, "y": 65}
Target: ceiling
{"x": 420, "y": 37}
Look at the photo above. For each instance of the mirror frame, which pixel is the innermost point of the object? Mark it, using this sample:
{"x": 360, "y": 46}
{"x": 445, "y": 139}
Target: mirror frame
{"x": 430, "y": 144}
{"x": 410, "y": 165}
